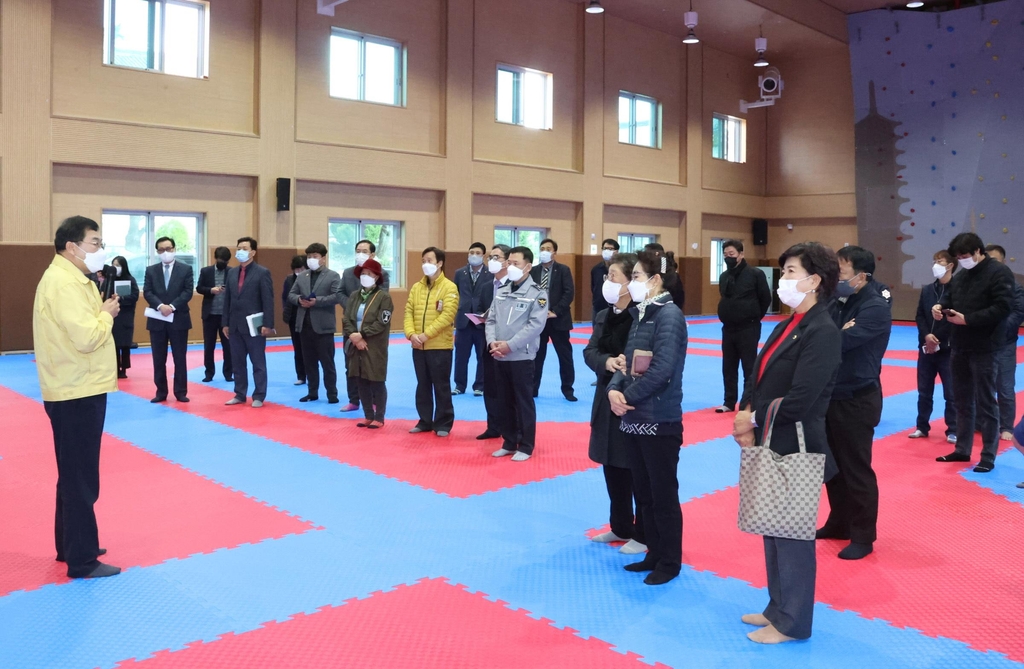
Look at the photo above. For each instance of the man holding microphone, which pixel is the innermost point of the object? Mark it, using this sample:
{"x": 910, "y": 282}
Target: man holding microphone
{"x": 74, "y": 346}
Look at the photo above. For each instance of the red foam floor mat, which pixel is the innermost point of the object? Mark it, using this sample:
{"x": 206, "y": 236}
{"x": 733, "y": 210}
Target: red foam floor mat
{"x": 149, "y": 510}
{"x": 946, "y": 562}
{"x": 442, "y": 626}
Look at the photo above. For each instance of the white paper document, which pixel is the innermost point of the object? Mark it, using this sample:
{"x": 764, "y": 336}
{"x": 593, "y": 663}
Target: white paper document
{"x": 153, "y": 313}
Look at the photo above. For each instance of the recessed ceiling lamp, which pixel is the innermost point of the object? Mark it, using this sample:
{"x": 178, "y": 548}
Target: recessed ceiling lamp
{"x": 690, "y": 19}
{"x": 595, "y": 7}
{"x": 914, "y": 5}
{"x": 760, "y": 46}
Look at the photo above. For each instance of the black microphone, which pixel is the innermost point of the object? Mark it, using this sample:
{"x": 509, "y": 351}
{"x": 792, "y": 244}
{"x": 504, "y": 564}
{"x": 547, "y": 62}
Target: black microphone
{"x": 109, "y": 276}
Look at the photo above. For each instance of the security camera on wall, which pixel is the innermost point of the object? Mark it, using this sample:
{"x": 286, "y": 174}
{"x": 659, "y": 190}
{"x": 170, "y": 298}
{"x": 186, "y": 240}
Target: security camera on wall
{"x": 771, "y": 85}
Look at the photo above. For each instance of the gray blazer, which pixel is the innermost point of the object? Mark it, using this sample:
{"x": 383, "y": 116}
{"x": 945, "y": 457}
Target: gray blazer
{"x": 326, "y": 285}
{"x": 350, "y": 284}
{"x": 257, "y": 295}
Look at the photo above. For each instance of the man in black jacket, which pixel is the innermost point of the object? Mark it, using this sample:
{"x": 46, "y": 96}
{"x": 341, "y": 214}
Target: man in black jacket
{"x": 476, "y": 292}
{"x": 211, "y": 286}
{"x": 1005, "y": 340}
{"x": 598, "y": 273}
{"x": 865, "y": 319}
{"x": 556, "y": 279}
{"x": 979, "y": 298}
{"x": 744, "y": 302}
{"x": 933, "y": 350}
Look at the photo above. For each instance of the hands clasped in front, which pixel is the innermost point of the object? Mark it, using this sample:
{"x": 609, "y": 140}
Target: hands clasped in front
{"x": 743, "y": 428}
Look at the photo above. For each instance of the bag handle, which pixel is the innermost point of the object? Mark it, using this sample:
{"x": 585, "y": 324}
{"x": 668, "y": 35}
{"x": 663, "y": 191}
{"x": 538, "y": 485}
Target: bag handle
{"x": 773, "y": 409}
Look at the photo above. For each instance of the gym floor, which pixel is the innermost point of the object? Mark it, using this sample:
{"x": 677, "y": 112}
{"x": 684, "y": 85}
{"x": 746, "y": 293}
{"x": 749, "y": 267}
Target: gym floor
{"x": 287, "y": 537}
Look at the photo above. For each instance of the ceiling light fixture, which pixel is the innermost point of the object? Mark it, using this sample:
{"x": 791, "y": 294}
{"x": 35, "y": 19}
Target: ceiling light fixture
{"x": 760, "y": 46}
{"x": 595, "y": 7}
{"x": 690, "y": 19}
{"x": 915, "y": 5}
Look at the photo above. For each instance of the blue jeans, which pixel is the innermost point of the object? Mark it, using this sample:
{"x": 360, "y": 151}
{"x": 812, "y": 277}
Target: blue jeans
{"x": 1006, "y": 381}
{"x": 928, "y": 366}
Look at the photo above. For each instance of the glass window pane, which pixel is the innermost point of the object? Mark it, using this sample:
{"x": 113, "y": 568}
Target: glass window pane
{"x": 503, "y": 236}
{"x": 184, "y": 230}
{"x": 126, "y": 235}
{"x": 625, "y": 244}
{"x": 383, "y": 236}
{"x": 505, "y": 111}
{"x": 181, "y": 39}
{"x": 535, "y": 103}
{"x": 344, "y": 67}
{"x": 644, "y": 122}
{"x": 717, "y": 138}
{"x": 131, "y": 33}
{"x": 530, "y": 239}
{"x": 381, "y": 73}
{"x": 624, "y": 120}
{"x": 341, "y": 244}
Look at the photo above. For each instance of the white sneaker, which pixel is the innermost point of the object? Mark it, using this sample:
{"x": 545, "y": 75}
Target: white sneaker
{"x": 233, "y": 401}
{"x": 501, "y": 452}
{"x": 1021, "y": 484}
{"x": 951, "y": 438}
{"x": 723, "y": 409}
{"x": 633, "y": 547}
{"x": 606, "y": 538}
{"x": 256, "y": 404}
{"x": 520, "y": 456}
{"x": 917, "y": 434}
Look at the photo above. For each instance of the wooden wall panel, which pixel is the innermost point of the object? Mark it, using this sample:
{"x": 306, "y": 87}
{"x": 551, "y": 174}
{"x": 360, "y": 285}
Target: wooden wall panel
{"x": 21, "y": 268}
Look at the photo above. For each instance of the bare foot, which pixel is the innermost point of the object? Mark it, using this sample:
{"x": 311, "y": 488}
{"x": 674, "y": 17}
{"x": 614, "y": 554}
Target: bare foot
{"x": 756, "y": 619}
{"x": 769, "y": 635}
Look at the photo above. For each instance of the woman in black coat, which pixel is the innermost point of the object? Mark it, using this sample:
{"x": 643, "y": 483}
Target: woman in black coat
{"x": 798, "y": 364}
{"x": 605, "y": 354}
{"x": 124, "y": 322}
{"x": 289, "y": 312}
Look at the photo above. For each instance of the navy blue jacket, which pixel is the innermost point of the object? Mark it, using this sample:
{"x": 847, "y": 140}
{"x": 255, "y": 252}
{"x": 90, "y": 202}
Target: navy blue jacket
{"x": 864, "y": 344}
{"x": 1007, "y": 331}
{"x": 473, "y": 298}
{"x": 657, "y": 395}
{"x": 931, "y": 295}
{"x": 177, "y": 294}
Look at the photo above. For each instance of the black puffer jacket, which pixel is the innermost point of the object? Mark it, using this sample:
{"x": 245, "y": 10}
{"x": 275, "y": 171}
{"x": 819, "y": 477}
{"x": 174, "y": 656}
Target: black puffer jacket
{"x": 984, "y": 295}
{"x": 745, "y": 296}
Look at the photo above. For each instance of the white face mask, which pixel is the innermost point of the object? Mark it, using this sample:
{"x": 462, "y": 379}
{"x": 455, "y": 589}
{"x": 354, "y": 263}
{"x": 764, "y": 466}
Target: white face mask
{"x": 299, "y": 272}
{"x": 429, "y": 269}
{"x": 95, "y": 261}
{"x": 167, "y": 257}
{"x": 788, "y": 293}
{"x": 938, "y": 271}
{"x": 494, "y": 266}
{"x": 242, "y": 255}
{"x": 968, "y": 263}
{"x": 361, "y": 258}
{"x": 638, "y": 290}
{"x": 475, "y": 260}
{"x": 367, "y": 281}
{"x": 607, "y": 254}
{"x": 515, "y": 274}
{"x": 117, "y": 268}
{"x": 611, "y": 291}
{"x": 545, "y": 257}
{"x": 313, "y": 263}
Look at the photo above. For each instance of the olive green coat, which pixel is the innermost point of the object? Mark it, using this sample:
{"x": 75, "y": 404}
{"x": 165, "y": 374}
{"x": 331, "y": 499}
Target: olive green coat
{"x": 371, "y": 364}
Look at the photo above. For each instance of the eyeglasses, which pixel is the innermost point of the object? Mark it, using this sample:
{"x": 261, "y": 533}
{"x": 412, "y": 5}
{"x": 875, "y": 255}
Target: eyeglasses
{"x": 496, "y": 257}
{"x": 95, "y": 245}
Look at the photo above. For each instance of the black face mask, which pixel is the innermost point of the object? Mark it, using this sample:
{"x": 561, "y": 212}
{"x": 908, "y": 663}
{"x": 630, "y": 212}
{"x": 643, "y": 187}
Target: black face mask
{"x": 221, "y": 264}
{"x": 730, "y": 263}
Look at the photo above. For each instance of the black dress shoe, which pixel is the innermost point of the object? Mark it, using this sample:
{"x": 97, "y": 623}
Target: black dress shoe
{"x": 953, "y": 457}
{"x": 488, "y": 435}
{"x": 984, "y": 467}
{"x": 183, "y": 399}
{"x": 229, "y": 378}
{"x": 570, "y": 397}
{"x": 856, "y": 551}
{"x": 647, "y": 564}
{"x": 309, "y": 398}
{"x": 157, "y": 400}
{"x": 99, "y": 571}
{"x": 659, "y": 577}
{"x": 122, "y": 375}
{"x": 207, "y": 379}
{"x": 332, "y": 400}
{"x": 101, "y": 553}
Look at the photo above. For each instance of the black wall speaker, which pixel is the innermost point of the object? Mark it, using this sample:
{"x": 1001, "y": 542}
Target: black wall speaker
{"x": 759, "y": 230}
{"x": 284, "y": 194}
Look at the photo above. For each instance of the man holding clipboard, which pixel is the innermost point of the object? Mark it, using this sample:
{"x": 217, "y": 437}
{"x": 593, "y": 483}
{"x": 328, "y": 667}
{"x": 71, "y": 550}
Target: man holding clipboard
{"x": 167, "y": 290}
{"x": 249, "y": 313}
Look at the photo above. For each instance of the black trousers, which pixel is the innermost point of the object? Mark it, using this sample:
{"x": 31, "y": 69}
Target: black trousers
{"x": 300, "y": 364}
{"x": 374, "y": 396}
{"x": 318, "y": 351}
{"x": 928, "y": 366}
{"x": 213, "y": 329}
{"x": 494, "y": 409}
{"x": 124, "y": 358}
{"x": 352, "y": 382}
{"x": 654, "y": 461}
{"x": 178, "y": 340}
{"x": 77, "y": 431}
{"x": 619, "y": 481}
{"x": 468, "y": 340}
{"x": 739, "y": 347}
{"x": 563, "y": 349}
{"x": 255, "y": 348}
{"x": 434, "y": 389}
{"x": 515, "y": 401}
{"x": 974, "y": 387}
{"x": 853, "y": 492}
{"x": 792, "y": 568}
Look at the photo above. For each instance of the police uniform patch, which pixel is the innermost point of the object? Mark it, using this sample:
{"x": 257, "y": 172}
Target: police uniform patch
{"x": 522, "y": 306}
{"x": 542, "y": 302}
{"x": 385, "y": 316}
{"x": 886, "y": 294}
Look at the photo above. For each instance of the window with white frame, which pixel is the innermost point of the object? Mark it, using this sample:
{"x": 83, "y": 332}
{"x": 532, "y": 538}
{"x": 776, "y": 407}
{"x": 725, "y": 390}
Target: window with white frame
{"x": 639, "y": 120}
{"x": 133, "y": 234}
{"x": 367, "y": 68}
{"x": 524, "y": 97}
{"x": 344, "y": 234}
{"x": 728, "y": 138}
{"x": 168, "y": 36}
{"x": 634, "y": 243}
{"x": 528, "y": 237}
{"x": 717, "y": 260}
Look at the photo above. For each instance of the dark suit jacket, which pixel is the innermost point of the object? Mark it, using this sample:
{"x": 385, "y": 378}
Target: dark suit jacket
{"x": 560, "y": 293}
{"x": 287, "y": 310}
{"x": 257, "y": 295}
{"x": 177, "y": 294}
{"x": 802, "y": 371}
{"x": 207, "y": 281}
{"x": 473, "y": 299}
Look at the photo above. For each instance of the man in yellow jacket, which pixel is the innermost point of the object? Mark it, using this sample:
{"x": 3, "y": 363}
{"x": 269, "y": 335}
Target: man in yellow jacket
{"x": 77, "y": 365}
{"x": 429, "y": 324}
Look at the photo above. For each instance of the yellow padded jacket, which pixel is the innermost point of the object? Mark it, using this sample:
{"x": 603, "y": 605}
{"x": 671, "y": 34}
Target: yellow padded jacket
{"x": 431, "y": 310}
